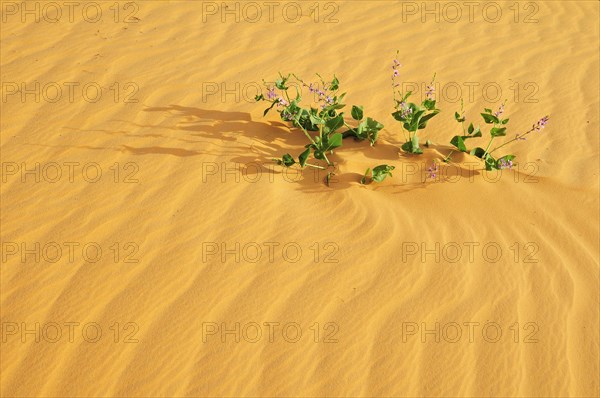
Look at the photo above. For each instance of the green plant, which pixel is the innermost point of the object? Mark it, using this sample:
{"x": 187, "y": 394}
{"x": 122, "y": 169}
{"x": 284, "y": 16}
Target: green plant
{"x": 498, "y": 129}
{"x": 378, "y": 174}
{"x": 325, "y": 117}
{"x": 413, "y": 117}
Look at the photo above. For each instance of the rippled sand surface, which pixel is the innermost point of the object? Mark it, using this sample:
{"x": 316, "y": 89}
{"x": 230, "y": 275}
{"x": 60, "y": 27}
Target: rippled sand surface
{"x": 191, "y": 266}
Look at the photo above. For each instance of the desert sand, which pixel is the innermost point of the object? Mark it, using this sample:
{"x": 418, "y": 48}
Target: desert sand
{"x": 192, "y": 266}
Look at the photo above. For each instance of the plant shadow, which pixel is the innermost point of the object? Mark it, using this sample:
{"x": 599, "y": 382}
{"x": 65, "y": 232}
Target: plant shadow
{"x": 252, "y": 146}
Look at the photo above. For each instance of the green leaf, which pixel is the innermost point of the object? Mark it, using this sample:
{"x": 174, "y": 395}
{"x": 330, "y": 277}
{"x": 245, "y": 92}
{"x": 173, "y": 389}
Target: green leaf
{"x": 498, "y": 132}
{"x": 316, "y": 120}
{"x": 333, "y": 107}
{"x": 363, "y": 180}
{"x": 373, "y": 125}
{"x": 269, "y": 108}
{"x": 478, "y": 152}
{"x": 381, "y": 172}
{"x": 459, "y": 142}
{"x": 416, "y": 119}
{"x": 350, "y": 133}
{"x": 361, "y": 130}
{"x": 490, "y": 163}
{"x": 472, "y": 131}
{"x": 259, "y": 97}
{"x": 458, "y": 118}
{"x": 398, "y": 116}
{"x": 303, "y": 157}
{"x": 287, "y": 160}
{"x": 490, "y": 119}
{"x": 280, "y": 83}
{"x": 367, "y": 129}
{"x": 335, "y": 84}
{"x": 335, "y": 140}
{"x": 333, "y": 124}
{"x": 357, "y": 112}
{"x": 505, "y": 121}
{"x": 424, "y": 119}
{"x": 429, "y": 104}
{"x": 487, "y": 110}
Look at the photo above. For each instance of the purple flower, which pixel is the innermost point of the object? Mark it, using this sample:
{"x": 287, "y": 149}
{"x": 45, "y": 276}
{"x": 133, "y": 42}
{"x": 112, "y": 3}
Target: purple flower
{"x": 433, "y": 170}
{"x": 406, "y": 110}
{"x": 287, "y": 116}
{"x": 540, "y": 124}
{"x": 271, "y": 93}
{"x": 500, "y": 111}
{"x": 430, "y": 91}
{"x": 395, "y": 67}
{"x": 329, "y": 100}
{"x": 506, "y": 164}
{"x": 282, "y": 102}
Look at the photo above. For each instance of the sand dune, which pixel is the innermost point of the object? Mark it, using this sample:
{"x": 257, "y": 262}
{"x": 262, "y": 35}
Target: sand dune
{"x": 211, "y": 272}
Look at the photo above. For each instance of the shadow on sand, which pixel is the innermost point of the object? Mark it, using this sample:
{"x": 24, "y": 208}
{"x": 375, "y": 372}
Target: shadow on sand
{"x": 252, "y": 144}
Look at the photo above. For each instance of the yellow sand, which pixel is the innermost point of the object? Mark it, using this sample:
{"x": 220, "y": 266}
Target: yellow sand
{"x": 364, "y": 289}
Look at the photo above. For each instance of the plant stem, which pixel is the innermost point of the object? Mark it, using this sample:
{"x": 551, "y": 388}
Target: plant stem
{"x": 404, "y": 133}
{"x": 488, "y": 147}
{"x": 462, "y": 111}
{"x": 447, "y": 158}
{"x": 315, "y": 166}
{"x": 514, "y": 139}
{"x": 304, "y": 130}
{"x": 321, "y": 134}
